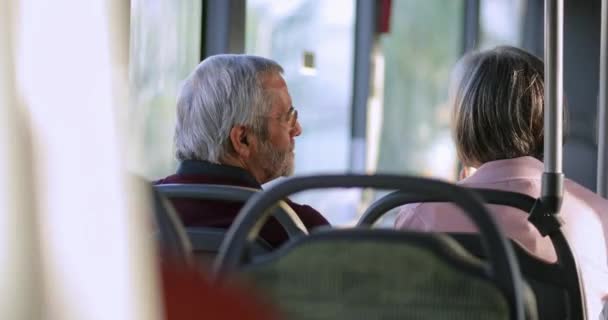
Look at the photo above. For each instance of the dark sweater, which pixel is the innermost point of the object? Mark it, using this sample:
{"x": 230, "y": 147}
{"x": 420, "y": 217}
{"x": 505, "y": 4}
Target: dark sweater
{"x": 220, "y": 214}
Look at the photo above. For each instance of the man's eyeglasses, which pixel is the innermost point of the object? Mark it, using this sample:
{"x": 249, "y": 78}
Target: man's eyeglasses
{"x": 291, "y": 117}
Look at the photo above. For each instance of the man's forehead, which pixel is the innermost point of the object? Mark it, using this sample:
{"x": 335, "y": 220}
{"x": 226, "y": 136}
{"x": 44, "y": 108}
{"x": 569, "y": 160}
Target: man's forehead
{"x": 276, "y": 86}
{"x": 273, "y": 80}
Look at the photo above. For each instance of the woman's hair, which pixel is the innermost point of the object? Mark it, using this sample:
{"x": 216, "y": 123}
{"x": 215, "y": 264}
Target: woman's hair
{"x": 498, "y": 97}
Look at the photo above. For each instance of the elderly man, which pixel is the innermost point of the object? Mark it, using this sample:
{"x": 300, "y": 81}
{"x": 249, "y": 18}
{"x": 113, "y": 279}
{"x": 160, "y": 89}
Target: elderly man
{"x": 236, "y": 125}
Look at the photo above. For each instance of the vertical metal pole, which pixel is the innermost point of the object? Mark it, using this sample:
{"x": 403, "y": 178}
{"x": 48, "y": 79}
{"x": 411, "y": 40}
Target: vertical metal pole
{"x": 602, "y": 154}
{"x": 533, "y": 24}
{"x": 365, "y": 22}
{"x": 470, "y": 39}
{"x": 217, "y": 33}
{"x": 553, "y": 178}
{"x": 223, "y": 24}
{"x": 553, "y": 84}
{"x": 471, "y": 25}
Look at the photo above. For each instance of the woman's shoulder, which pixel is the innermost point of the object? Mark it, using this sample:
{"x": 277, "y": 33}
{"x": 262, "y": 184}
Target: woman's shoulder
{"x": 585, "y": 195}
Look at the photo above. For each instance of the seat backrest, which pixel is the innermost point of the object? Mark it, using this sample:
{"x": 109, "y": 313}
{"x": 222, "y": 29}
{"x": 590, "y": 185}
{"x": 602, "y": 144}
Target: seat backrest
{"x": 378, "y": 274}
{"x": 556, "y": 286}
{"x": 206, "y": 242}
{"x": 293, "y": 225}
{"x": 171, "y": 233}
{"x": 545, "y": 279}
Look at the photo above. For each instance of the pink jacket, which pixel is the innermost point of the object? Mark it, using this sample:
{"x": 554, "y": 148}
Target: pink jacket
{"x": 585, "y": 215}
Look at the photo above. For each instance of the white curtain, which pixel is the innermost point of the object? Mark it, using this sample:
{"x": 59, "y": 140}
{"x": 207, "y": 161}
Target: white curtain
{"x": 74, "y": 234}
{"x": 19, "y": 253}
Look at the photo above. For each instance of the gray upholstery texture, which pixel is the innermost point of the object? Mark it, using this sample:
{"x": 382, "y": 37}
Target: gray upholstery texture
{"x": 353, "y": 279}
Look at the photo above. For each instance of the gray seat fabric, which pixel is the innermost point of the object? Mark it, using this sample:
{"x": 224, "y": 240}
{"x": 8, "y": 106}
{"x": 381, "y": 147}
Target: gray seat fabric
{"x": 183, "y": 243}
{"x": 378, "y": 274}
{"x": 556, "y": 286}
{"x": 288, "y": 219}
{"x": 548, "y": 281}
{"x": 170, "y": 230}
{"x": 206, "y": 241}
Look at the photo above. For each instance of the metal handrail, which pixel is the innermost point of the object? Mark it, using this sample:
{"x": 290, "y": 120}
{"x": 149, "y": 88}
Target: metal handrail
{"x": 602, "y": 152}
{"x": 552, "y": 179}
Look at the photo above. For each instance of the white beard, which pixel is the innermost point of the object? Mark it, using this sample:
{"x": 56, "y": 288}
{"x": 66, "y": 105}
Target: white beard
{"x": 277, "y": 163}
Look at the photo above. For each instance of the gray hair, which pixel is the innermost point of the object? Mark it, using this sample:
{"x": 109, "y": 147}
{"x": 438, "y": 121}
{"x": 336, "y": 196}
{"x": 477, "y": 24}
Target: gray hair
{"x": 498, "y": 100}
{"x": 223, "y": 91}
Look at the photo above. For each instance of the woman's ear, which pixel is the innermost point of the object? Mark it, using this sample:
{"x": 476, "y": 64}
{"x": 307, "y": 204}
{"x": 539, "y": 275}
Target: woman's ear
{"x": 239, "y": 137}
{"x": 466, "y": 172}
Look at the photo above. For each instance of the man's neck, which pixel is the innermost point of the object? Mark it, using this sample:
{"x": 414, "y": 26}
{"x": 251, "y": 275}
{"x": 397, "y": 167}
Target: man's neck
{"x": 257, "y": 174}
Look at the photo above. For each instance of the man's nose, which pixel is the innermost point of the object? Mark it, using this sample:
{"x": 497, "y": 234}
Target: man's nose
{"x": 297, "y": 129}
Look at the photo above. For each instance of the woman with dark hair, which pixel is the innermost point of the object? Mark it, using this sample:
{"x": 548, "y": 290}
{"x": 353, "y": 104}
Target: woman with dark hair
{"x": 497, "y": 99}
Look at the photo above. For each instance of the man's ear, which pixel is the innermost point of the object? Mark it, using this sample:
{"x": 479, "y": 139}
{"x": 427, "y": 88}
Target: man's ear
{"x": 239, "y": 137}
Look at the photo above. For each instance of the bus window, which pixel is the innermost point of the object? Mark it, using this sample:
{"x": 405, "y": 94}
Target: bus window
{"x": 313, "y": 41}
{"x": 165, "y": 47}
{"x": 424, "y": 41}
{"x": 500, "y": 22}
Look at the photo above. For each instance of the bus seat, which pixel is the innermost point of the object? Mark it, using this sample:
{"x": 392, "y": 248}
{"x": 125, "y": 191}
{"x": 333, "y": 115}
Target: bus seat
{"x": 170, "y": 230}
{"x": 378, "y": 274}
{"x": 546, "y": 280}
{"x": 289, "y": 221}
{"x": 185, "y": 285}
{"x": 206, "y": 242}
{"x": 556, "y": 286}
